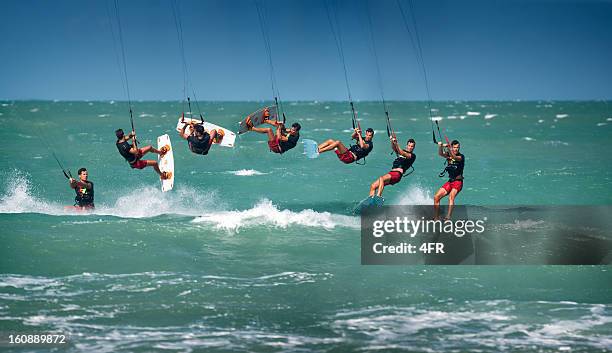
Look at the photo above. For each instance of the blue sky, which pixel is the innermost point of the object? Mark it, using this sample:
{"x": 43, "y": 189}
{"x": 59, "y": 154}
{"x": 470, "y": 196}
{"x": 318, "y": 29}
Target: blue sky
{"x": 473, "y": 50}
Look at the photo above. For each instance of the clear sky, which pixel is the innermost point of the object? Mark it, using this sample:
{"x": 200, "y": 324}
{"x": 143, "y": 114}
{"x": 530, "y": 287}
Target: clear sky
{"x": 473, "y": 50}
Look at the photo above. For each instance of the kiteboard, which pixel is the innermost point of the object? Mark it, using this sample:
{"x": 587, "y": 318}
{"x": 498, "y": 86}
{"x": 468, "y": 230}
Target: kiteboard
{"x": 226, "y": 138}
{"x": 311, "y": 148}
{"x": 257, "y": 118}
{"x": 166, "y": 162}
{"x": 370, "y": 201}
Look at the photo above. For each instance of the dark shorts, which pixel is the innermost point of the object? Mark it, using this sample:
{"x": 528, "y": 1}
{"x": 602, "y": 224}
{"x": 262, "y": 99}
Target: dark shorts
{"x": 449, "y": 185}
{"x": 274, "y": 146}
{"x": 395, "y": 177}
{"x": 346, "y": 157}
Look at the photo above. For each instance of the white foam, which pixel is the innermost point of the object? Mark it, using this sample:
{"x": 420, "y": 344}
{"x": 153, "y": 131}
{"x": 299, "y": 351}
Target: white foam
{"x": 490, "y": 116}
{"x": 436, "y": 118}
{"x": 34, "y": 110}
{"x": 609, "y": 119}
{"x": 414, "y": 195}
{"x": 451, "y": 117}
{"x": 528, "y": 138}
{"x": 473, "y": 113}
{"x": 145, "y": 115}
{"x": 540, "y": 121}
{"x": 602, "y": 124}
{"x": 20, "y": 197}
{"x": 561, "y": 116}
{"x": 153, "y": 202}
{"x": 246, "y": 172}
{"x": 264, "y": 213}
{"x": 103, "y": 115}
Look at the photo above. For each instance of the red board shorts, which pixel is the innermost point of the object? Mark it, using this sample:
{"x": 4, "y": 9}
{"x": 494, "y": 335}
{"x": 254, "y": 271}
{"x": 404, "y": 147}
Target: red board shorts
{"x": 395, "y": 177}
{"x": 449, "y": 185}
{"x": 274, "y": 146}
{"x": 139, "y": 164}
{"x": 346, "y": 157}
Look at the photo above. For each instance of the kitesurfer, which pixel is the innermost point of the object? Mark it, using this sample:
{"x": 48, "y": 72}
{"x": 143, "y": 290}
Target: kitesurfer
{"x": 84, "y": 189}
{"x": 133, "y": 154}
{"x": 455, "y": 162}
{"x": 199, "y": 140}
{"x": 403, "y": 162}
{"x": 355, "y": 152}
{"x": 283, "y": 139}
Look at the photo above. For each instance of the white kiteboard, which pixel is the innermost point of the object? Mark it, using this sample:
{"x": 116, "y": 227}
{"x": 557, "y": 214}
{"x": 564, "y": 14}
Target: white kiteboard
{"x": 227, "y": 139}
{"x": 166, "y": 163}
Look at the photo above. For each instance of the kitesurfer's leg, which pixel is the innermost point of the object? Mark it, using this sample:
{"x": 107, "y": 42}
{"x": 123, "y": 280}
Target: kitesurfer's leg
{"x": 279, "y": 131}
{"x": 330, "y": 145}
{"x": 382, "y": 181}
{"x": 374, "y": 186}
{"x": 213, "y": 134}
{"x": 163, "y": 175}
{"x": 451, "y": 202}
{"x": 147, "y": 149}
{"x": 323, "y": 147}
{"x": 265, "y": 130}
{"x": 272, "y": 122}
{"x": 341, "y": 147}
{"x": 437, "y": 197}
{"x": 151, "y": 163}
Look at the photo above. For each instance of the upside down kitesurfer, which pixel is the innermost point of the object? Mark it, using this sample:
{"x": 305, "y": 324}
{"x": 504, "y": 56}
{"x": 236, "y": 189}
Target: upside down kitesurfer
{"x": 283, "y": 139}
{"x": 403, "y": 162}
{"x": 84, "y": 189}
{"x": 355, "y": 152}
{"x": 133, "y": 154}
{"x": 199, "y": 140}
{"x": 455, "y": 162}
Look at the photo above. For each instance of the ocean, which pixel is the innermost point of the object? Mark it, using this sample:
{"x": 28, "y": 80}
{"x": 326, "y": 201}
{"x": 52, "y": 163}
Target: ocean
{"x": 259, "y": 252}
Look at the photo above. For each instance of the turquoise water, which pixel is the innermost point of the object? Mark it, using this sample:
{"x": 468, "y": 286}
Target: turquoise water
{"x": 254, "y": 251}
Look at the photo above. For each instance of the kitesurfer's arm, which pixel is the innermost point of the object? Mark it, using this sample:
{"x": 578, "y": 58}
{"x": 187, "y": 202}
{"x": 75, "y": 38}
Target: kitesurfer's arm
{"x": 132, "y": 135}
{"x": 183, "y": 135}
{"x": 395, "y": 146}
{"x": 281, "y": 133}
{"x": 79, "y": 184}
{"x": 441, "y": 150}
{"x": 360, "y": 140}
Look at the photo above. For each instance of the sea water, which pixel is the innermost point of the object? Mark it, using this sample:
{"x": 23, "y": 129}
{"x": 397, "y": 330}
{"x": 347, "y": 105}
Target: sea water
{"x": 255, "y": 251}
